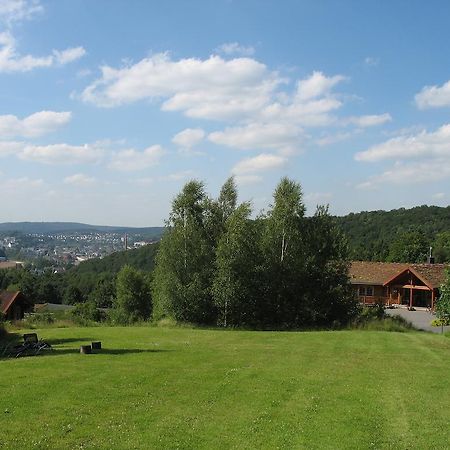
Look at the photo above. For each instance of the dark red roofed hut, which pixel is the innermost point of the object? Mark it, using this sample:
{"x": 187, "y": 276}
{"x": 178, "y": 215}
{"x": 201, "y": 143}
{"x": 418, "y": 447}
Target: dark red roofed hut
{"x": 14, "y": 305}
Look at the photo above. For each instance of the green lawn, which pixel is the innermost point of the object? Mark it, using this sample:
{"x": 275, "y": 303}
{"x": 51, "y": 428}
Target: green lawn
{"x": 182, "y": 388}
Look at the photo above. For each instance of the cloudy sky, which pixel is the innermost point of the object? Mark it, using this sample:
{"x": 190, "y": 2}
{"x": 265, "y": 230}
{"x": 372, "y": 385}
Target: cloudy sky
{"x": 108, "y": 107}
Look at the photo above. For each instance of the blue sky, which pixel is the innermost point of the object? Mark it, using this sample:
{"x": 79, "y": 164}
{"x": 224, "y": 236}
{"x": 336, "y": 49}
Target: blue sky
{"x": 108, "y": 107}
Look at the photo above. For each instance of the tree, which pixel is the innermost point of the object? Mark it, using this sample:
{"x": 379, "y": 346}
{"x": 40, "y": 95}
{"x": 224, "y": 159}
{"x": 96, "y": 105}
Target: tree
{"x": 104, "y": 293}
{"x": 330, "y": 294}
{"x": 441, "y": 247}
{"x": 72, "y": 295}
{"x": 409, "y": 247}
{"x": 283, "y": 249}
{"x": 443, "y": 303}
{"x": 133, "y": 300}
{"x": 236, "y": 281}
{"x": 185, "y": 260}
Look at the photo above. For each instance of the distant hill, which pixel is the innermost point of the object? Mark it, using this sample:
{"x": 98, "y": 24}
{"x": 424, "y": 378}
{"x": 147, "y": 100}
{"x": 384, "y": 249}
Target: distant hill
{"x": 370, "y": 233}
{"x": 59, "y": 227}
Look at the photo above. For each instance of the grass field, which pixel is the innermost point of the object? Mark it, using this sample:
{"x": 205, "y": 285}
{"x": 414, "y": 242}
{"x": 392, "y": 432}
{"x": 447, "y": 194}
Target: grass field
{"x": 182, "y": 388}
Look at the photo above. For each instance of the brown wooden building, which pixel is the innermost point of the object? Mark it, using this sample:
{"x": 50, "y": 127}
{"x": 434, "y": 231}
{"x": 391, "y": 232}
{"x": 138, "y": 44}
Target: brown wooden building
{"x": 14, "y": 305}
{"x": 412, "y": 285}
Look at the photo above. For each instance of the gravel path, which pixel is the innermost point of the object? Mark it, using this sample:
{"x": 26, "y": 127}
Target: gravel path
{"x": 420, "y": 319}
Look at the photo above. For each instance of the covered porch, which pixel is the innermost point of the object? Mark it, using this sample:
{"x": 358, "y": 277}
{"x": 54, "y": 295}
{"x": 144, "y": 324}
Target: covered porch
{"x": 411, "y": 289}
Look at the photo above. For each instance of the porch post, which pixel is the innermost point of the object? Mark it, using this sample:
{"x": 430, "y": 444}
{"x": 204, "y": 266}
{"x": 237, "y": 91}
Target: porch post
{"x": 432, "y": 299}
{"x": 410, "y": 297}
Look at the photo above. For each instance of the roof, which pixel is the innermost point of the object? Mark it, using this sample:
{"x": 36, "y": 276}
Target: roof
{"x": 10, "y": 264}
{"x": 7, "y": 299}
{"x": 381, "y": 273}
{"x": 432, "y": 274}
{"x": 373, "y": 272}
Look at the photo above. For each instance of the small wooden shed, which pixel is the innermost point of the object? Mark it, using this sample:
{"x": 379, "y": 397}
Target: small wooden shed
{"x": 14, "y": 305}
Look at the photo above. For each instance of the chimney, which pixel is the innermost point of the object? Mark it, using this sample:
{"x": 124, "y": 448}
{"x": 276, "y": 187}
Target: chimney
{"x": 430, "y": 256}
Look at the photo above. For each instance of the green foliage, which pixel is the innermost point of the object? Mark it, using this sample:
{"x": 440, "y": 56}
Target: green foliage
{"x": 370, "y": 234}
{"x": 409, "y": 247}
{"x": 84, "y": 313}
{"x": 236, "y": 282}
{"x": 133, "y": 301}
{"x": 441, "y": 247}
{"x": 283, "y": 270}
{"x": 72, "y": 295}
{"x": 443, "y": 303}
{"x": 104, "y": 293}
{"x": 184, "y": 270}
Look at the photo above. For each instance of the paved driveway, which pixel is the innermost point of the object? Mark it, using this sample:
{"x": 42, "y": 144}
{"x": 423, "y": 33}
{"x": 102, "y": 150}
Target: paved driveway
{"x": 420, "y": 319}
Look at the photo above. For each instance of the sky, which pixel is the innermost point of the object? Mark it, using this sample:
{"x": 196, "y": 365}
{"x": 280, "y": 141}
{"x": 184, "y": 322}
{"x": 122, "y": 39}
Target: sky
{"x": 108, "y": 107}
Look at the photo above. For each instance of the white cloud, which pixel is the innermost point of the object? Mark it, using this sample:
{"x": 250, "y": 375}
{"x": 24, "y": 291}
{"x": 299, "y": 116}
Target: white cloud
{"x": 334, "y": 138}
{"x": 10, "y": 148}
{"x": 62, "y": 154}
{"x": 12, "y": 61}
{"x": 260, "y": 163}
{"x": 243, "y": 180}
{"x": 434, "y": 96}
{"x": 404, "y": 173}
{"x": 177, "y": 176}
{"x": 189, "y": 137}
{"x": 369, "y": 120}
{"x": 23, "y": 183}
{"x": 438, "y": 195}
{"x": 69, "y": 55}
{"x": 133, "y": 160}
{"x": 420, "y": 157}
{"x": 213, "y": 88}
{"x": 423, "y": 144}
{"x": 276, "y": 136}
{"x": 35, "y": 125}
{"x": 79, "y": 179}
{"x": 234, "y": 48}
{"x": 18, "y": 10}
{"x": 317, "y": 85}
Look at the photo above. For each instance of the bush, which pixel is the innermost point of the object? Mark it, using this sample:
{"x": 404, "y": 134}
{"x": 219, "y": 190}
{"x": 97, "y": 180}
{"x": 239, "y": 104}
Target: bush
{"x": 83, "y": 313}
{"x": 38, "y": 320}
{"x": 375, "y": 319}
{"x": 441, "y": 322}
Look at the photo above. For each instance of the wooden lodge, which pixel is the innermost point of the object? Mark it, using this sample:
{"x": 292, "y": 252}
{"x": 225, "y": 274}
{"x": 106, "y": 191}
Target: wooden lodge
{"x": 411, "y": 285}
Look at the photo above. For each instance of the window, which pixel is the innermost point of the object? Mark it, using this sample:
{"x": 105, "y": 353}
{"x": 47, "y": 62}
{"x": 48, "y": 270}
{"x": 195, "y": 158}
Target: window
{"x": 369, "y": 291}
{"x": 362, "y": 291}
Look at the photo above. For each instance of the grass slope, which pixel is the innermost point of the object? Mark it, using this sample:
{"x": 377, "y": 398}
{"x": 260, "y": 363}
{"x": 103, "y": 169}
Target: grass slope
{"x": 181, "y": 388}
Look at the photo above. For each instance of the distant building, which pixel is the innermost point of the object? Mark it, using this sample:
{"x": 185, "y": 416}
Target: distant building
{"x": 411, "y": 285}
{"x": 11, "y": 265}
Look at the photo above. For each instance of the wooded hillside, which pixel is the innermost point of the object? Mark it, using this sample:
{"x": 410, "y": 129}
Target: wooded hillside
{"x": 371, "y": 235}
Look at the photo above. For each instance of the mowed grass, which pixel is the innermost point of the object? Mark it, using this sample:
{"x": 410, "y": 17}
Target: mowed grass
{"x": 182, "y": 388}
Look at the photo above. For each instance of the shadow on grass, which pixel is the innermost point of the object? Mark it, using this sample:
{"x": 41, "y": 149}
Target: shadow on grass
{"x": 103, "y": 351}
{"x": 57, "y": 341}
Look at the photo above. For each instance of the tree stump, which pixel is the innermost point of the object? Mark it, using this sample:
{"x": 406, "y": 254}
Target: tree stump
{"x": 96, "y": 345}
{"x": 86, "y": 349}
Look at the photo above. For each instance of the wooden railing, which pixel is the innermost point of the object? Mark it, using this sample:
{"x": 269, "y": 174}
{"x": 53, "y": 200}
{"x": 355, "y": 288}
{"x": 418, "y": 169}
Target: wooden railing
{"x": 374, "y": 299}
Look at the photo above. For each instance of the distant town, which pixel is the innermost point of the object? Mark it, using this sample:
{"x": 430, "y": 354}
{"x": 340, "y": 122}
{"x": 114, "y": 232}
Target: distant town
{"x": 62, "y": 249}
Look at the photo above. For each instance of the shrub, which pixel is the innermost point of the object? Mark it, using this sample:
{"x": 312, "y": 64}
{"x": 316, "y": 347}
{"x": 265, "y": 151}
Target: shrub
{"x": 38, "y": 320}
{"x": 441, "y": 322}
{"x": 86, "y": 312}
